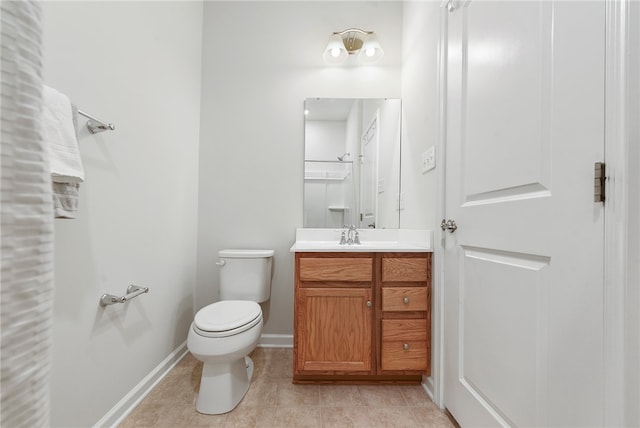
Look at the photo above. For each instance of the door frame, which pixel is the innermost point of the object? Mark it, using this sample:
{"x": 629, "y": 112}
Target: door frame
{"x": 375, "y": 118}
{"x": 435, "y": 383}
{"x": 620, "y": 208}
{"x": 620, "y": 279}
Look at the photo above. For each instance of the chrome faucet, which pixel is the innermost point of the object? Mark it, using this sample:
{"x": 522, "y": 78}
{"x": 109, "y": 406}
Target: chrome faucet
{"x": 352, "y": 228}
{"x": 351, "y": 234}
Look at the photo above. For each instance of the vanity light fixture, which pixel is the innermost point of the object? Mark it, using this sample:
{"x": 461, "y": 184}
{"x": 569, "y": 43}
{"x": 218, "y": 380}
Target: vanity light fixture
{"x": 353, "y": 41}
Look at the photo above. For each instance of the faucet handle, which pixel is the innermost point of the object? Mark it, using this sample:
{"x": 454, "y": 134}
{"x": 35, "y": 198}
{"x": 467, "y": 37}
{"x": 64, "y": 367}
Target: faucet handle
{"x": 343, "y": 238}
{"x": 356, "y": 240}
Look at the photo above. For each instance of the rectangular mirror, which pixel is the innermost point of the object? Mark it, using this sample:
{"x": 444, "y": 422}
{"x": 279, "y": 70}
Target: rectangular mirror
{"x": 352, "y": 162}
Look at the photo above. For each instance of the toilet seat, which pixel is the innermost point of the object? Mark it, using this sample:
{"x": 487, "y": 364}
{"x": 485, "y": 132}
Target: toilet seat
{"x": 227, "y": 318}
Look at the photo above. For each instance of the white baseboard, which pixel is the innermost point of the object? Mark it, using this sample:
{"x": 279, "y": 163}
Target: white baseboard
{"x": 427, "y": 384}
{"x": 276, "y": 341}
{"x": 125, "y": 406}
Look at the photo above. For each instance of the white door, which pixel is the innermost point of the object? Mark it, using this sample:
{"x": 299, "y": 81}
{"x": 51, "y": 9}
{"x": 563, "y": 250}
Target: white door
{"x": 369, "y": 175}
{"x": 524, "y": 270}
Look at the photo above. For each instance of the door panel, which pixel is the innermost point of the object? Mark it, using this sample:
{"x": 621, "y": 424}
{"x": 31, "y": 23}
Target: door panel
{"x": 523, "y": 271}
{"x": 517, "y": 122}
{"x": 502, "y": 330}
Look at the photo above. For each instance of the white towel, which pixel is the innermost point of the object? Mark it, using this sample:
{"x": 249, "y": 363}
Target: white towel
{"x": 65, "y": 199}
{"x": 60, "y": 137}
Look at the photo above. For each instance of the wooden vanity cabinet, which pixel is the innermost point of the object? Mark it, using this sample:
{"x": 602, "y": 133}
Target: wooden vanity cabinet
{"x": 362, "y": 317}
{"x": 333, "y": 314}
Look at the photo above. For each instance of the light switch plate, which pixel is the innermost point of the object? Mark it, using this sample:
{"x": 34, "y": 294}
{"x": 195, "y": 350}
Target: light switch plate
{"x": 429, "y": 159}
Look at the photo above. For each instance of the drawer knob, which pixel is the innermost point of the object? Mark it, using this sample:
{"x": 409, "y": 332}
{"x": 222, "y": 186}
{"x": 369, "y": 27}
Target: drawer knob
{"x": 405, "y": 346}
{"x": 406, "y": 300}
{"x": 369, "y": 303}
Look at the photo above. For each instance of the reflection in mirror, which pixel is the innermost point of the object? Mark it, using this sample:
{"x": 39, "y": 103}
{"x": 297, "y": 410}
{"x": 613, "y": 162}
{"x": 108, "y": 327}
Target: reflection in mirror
{"x": 352, "y": 163}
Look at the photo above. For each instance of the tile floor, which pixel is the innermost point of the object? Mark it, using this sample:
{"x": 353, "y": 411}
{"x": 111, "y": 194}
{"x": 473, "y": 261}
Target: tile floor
{"x": 273, "y": 401}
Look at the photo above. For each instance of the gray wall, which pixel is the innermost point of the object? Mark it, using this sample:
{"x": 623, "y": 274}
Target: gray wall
{"x": 136, "y": 64}
{"x": 420, "y": 38}
{"x": 260, "y": 61}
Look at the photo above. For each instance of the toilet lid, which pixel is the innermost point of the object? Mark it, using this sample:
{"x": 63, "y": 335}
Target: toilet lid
{"x": 227, "y": 315}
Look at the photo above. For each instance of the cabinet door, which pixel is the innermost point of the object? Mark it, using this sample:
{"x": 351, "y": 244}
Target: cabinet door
{"x": 334, "y": 330}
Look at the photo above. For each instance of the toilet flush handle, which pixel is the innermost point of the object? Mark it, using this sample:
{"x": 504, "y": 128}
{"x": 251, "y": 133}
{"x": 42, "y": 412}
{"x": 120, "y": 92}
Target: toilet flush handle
{"x": 221, "y": 262}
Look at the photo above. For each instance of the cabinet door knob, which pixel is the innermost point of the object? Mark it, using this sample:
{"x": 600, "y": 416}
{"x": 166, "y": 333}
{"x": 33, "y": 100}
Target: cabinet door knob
{"x": 405, "y": 346}
{"x": 369, "y": 303}
{"x": 406, "y": 300}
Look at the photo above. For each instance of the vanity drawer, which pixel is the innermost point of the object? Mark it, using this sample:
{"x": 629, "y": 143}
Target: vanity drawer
{"x": 396, "y": 357}
{"x": 404, "y": 329}
{"x": 343, "y": 269}
{"x": 404, "y": 269}
{"x": 405, "y": 298}
{"x": 404, "y": 345}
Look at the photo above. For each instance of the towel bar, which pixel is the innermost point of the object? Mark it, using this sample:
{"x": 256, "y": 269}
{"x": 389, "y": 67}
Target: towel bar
{"x": 95, "y": 125}
{"x": 132, "y": 291}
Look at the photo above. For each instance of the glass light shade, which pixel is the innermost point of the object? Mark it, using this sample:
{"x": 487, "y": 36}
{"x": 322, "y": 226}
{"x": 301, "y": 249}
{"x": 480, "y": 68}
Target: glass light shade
{"x": 335, "y": 52}
{"x": 371, "y": 50}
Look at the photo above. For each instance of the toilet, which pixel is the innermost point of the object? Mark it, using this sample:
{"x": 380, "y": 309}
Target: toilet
{"x": 222, "y": 334}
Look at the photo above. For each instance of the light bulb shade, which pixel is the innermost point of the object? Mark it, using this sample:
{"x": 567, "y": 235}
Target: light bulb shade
{"x": 371, "y": 50}
{"x": 335, "y": 52}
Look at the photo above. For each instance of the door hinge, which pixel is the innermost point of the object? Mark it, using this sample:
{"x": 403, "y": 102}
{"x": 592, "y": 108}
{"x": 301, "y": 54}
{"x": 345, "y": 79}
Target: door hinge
{"x": 599, "y": 182}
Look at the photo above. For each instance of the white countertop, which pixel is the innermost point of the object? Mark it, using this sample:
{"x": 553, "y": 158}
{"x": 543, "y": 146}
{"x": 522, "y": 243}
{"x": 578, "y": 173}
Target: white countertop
{"x": 372, "y": 240}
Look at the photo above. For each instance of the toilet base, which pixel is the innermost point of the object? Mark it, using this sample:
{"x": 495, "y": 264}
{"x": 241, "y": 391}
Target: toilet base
{"x": 223, "y": 385}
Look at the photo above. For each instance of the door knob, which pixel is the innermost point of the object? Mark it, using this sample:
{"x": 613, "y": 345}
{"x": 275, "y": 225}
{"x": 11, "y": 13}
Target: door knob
{"x": 449, "y": 225}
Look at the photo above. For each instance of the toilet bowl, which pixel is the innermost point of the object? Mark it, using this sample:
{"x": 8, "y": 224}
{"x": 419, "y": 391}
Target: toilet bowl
{"x": 222, "y": 334}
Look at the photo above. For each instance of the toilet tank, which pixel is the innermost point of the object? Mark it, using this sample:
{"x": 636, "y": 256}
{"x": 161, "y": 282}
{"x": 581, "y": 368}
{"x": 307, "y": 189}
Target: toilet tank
{"x": 245, "y": 274}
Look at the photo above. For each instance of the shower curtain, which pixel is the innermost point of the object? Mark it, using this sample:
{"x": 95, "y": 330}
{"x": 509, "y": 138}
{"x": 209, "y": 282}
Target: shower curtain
{"x": 26, "y": 225}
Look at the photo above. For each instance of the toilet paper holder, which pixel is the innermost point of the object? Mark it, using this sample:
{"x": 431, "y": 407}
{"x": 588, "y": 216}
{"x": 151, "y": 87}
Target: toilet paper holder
{"x": 132, "y": 291}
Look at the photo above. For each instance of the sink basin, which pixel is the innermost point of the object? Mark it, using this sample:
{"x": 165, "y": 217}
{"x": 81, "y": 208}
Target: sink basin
{"x": 372, "y": 240}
